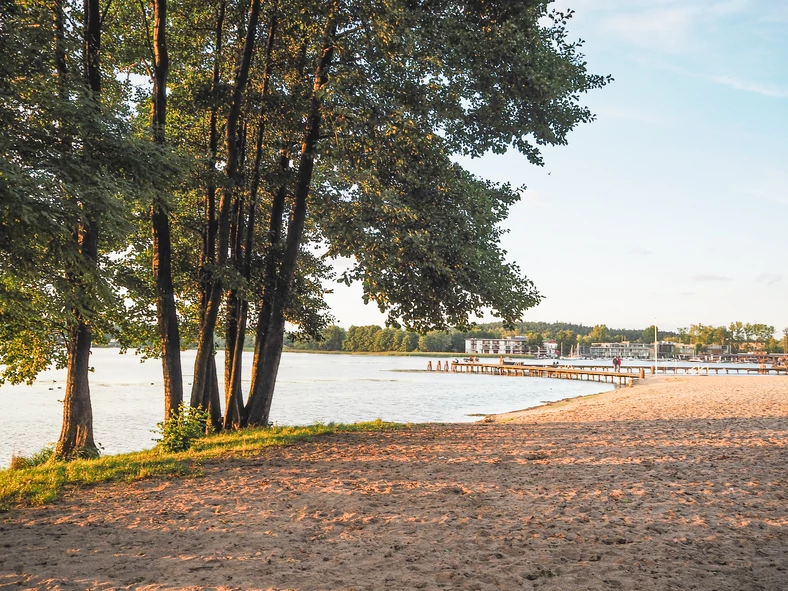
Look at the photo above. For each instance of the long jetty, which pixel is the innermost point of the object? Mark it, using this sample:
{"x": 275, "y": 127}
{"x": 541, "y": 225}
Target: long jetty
{"x": 697, "y": 369}
{"x": 626, "y": 375}
{"x": 538, "y": 371}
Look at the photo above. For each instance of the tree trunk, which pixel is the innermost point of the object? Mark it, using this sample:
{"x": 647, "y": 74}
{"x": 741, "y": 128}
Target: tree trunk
{"x": 209, "y": 231}
{"x": 268, "y": 353}
{"x": 76, "y": 434}
{"x": 234, "y": 407}
{"x": 273, "y": 261}
{"x": 208, "y": 255}
{"x": 166, "y": 311}
{"x": 233, "y": 299}
{"x": 201, "y": 383}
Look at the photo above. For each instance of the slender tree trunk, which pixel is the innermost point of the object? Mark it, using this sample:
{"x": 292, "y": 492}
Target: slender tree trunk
{"x": 269, "y": 353}
{"x": 76, "y": 434}
{"x": 232, "y": 301}
{"x": 209, "y": 237}
{"x": 208, "y": 255}
{"x": 200, "y": 385}
{"x": 272, "y": 263}
{"x": 167, "y": 313}
{"x": 234, "y": 407}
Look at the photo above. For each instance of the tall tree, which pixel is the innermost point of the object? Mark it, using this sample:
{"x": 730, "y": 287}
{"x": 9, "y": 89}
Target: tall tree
{"x": 201, "y": 385}
{"x": 69, "y": 167}
{"x": 169, "y": 335}
{"x": 339, "y": 133}
{"x": 237, "y": 300}
{"x": 76, "y": 435}
{"x": 388, "y": 104}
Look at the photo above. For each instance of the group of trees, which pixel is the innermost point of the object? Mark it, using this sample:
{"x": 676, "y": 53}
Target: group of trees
{"x": 373, "y": 338}
{"x": 739, "y": 336}
{"x": 203, "y": 204}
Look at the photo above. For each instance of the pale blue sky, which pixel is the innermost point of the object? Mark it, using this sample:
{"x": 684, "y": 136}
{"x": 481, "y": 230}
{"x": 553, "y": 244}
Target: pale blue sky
{"x": 672, "y": 205}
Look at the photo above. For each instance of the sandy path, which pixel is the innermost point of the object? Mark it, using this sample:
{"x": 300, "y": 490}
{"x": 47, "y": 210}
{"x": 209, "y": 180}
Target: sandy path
{"x": 684, "y": 490}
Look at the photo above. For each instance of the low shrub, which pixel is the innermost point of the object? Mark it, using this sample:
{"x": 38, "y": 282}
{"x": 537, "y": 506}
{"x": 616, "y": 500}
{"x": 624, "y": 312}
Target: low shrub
{"x": 186, "y": 424}
{"x": 40, "y": 457}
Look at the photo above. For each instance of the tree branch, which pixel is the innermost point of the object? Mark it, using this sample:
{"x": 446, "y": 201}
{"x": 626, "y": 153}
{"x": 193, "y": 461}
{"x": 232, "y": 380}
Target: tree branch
{"x": 148, "y": 39}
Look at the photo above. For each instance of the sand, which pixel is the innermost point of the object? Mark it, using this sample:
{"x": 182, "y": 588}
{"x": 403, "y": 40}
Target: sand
{"x": 677, "y": 483}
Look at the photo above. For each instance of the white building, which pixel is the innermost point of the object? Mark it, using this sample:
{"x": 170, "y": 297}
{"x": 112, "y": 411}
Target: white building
{"x": 510, "y": 346}
{"x": 626, "y": 349}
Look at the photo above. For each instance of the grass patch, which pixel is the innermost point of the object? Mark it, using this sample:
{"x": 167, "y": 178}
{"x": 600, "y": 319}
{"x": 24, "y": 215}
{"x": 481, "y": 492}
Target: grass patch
{"x": 45, "y": 483}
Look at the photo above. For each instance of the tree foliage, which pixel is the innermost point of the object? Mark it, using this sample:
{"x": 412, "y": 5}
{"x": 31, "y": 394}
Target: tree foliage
{"x": 274, "y": 137}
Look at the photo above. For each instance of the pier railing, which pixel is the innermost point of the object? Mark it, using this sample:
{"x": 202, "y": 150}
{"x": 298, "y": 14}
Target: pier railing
{"x": 541, "y": 371}
{"x": 626, "y": 374}
{"x": 670, "y": 368}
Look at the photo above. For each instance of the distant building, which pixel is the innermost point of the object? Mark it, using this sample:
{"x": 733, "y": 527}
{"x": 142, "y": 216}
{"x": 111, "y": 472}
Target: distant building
{"x": 624, "y": 349}
{"x": 549, "y": 349}
{"x": 682, "y": 351}
{"x": 510, "y": 346}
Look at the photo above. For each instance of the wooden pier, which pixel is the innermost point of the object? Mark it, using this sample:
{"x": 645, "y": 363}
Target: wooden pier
{"x": 540, "y": 371}
{"x": 702, "y": 369}
{"x": 627, "y": 374}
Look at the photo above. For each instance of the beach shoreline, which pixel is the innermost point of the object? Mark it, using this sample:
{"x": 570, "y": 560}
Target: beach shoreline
{"x": 675, "y": 483}
{"x": 667, "y": 398}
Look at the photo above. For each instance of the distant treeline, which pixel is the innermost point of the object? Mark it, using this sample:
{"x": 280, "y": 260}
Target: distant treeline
{"x": 374, "y": 338}
{"x": 371, "y": 339}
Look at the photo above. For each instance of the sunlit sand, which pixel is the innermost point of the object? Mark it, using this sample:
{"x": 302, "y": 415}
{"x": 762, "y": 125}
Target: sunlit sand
{"x": 678, "y": 483}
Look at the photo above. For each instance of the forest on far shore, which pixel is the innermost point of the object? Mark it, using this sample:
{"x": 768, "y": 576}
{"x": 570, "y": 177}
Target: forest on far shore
{"x": 372, "y": 338}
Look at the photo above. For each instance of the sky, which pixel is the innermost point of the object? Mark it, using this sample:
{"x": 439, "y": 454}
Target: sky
{"x": 672, "y": 206}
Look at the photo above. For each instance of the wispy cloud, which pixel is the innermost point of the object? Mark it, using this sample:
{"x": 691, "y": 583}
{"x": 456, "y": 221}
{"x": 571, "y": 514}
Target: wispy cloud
{"x": 735, "y": 82}
{"x": 710, "y": 278}
{"x": 769, "y": 278}
{"x": 667, "y": 29}
{"x": 747, "y": 86}
{"x": 724, "y": 42}
{"x": 667, "y": 25}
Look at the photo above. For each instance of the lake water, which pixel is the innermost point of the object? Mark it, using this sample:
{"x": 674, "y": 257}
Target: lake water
{"x": 127, "y": 396}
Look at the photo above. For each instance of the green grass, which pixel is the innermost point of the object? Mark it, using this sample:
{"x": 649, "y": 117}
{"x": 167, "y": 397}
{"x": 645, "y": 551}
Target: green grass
{"x": 46, "y": 482}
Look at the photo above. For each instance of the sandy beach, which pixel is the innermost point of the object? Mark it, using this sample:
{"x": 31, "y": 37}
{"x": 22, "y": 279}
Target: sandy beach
{"x": 676, "y": 483}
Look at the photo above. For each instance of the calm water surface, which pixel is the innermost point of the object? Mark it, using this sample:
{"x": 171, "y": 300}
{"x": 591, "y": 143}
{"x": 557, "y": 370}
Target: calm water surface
{"x": 128, "y": 401}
